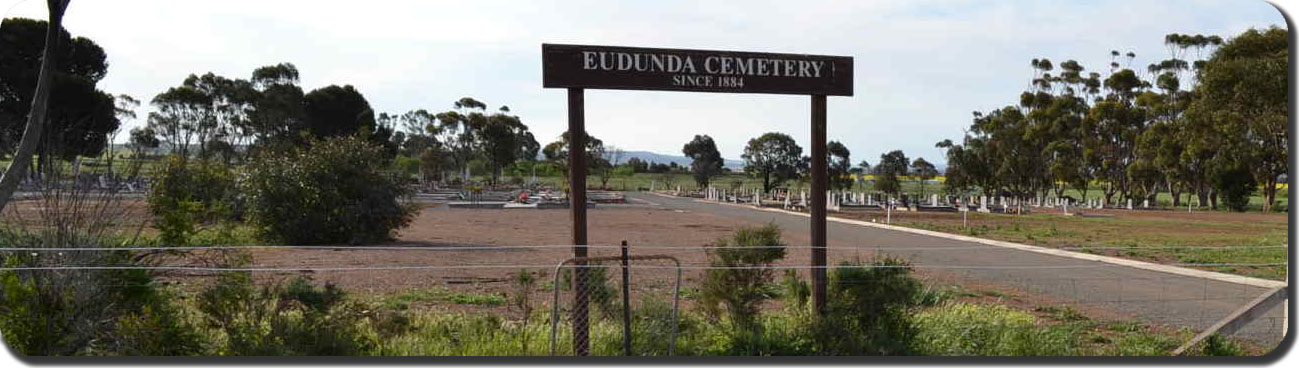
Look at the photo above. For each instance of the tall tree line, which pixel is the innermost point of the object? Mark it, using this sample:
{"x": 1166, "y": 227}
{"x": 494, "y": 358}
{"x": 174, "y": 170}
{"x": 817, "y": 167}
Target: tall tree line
{"x": 211, "y": 116}
{"x": 1210, "y": 120}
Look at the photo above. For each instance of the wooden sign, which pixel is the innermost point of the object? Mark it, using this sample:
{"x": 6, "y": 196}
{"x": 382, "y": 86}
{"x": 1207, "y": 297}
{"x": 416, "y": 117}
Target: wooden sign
{"x": 636, "y": 68}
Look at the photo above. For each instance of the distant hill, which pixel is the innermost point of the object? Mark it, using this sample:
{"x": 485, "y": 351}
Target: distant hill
{"x": 680, "y": 160}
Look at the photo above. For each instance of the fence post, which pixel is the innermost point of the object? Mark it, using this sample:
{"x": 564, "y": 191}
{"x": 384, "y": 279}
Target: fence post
{"x": 626, "y": 301}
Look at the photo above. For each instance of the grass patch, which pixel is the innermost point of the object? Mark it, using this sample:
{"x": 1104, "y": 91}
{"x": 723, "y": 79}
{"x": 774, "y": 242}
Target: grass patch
{"x": 403, "y": 301}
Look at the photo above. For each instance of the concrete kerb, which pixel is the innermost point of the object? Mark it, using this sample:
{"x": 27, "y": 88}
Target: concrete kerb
{"x": 1237, "y": 279}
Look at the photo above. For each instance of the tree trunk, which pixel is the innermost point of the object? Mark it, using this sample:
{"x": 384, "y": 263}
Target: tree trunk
{"x": 1177, "y": 194}
{"x": 1269, "y": 194}
{"x": 40, "y": 104}
{"x": 766, "y": 181}
{"x": 1202, "y": 195}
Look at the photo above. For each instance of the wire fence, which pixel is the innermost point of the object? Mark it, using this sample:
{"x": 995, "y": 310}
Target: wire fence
{"x": 659, "y": 290}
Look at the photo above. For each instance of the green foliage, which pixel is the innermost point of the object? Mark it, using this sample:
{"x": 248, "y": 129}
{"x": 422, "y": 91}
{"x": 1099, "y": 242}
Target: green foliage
{"x": 335, "y": 111}
{"x": 1236, "y": 185}
{"x": 332, "y": 192}
{"x": 297, "y": 318}
{"x": 868, "y": 309}
{"x": 774, "y": 158}
{"x": 887, "y": 184}
{"x": 707, "y": 161}
{"x": 892, "y": 165}
{"x": 1242, "y": 102}
{"x": 968, "y": 329}
{"x": 115, "y": 312}
{"x": 795, "y": 291}
{"x": 1217, "y": 345}
{"x": 84, "y": 114}
{"x": 178, "y": 223}
{"x": 408, "y": 166}
{"x": 740, "y": 286}
{"x": 189, "y": 192}
{"x": 504, "y": 139}
{"x": 556, "y": 153}
{"x": 839, "y": 165}
{"x": 1139, "y": 137}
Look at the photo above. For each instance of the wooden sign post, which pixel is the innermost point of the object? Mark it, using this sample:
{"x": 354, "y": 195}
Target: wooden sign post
{"x": 580, "y": 67}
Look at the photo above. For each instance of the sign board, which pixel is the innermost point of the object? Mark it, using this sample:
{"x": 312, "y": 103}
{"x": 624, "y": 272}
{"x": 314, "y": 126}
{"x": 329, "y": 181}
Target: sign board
{"x": 636, "y": 68}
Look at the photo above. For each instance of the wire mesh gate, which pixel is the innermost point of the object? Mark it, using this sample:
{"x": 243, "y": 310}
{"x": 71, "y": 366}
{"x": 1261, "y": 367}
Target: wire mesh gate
{"x": 589, "y": 283}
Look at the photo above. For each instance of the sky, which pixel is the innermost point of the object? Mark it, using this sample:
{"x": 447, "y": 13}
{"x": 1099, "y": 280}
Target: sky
{"x": 921, "y": 67}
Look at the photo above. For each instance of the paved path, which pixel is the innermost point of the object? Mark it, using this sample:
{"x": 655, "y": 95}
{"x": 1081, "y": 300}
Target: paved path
{"x": 1154, "y": 296}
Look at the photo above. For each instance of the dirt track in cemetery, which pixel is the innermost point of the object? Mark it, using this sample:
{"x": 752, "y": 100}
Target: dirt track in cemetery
{"x": 550, "y": 230}
{"x": 643, "y": 227}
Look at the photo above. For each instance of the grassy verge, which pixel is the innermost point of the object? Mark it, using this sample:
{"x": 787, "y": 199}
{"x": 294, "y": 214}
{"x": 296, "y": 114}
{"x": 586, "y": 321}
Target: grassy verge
{"x": 1167, "y": 240}
{"x": 946, "y": 329}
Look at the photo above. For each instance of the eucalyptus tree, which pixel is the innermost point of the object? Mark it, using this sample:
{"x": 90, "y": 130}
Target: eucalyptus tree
{"x": 178, "y": 113}
{"x": 337, "y": 111}
{"x": 84, "y": 116}
{"x": 457, "y": 131}
{"x": 278, "y": 114}
{"x": 504, "y": 140}
{"x": 419, "y": 127}
{"x": 211, "y": 111}
{"x": 557, "y": 153}
{"x": 706, "y": 161}
{"x": 924, "y": 171}
{"x": 143, "y": 139}
{"x": 892, "y": 165}
{"x": 773, "y": 157}
{"x": 1013, "y": 151}
{"x": 1242, "y": 95}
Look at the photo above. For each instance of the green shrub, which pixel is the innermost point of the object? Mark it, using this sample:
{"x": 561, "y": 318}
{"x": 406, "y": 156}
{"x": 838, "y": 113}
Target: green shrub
{"x": 331, "y": 192}
{"x": 868, "y": 308}
{"x": 188, "y": 192}
{"x": 89, "y": 312}
{"x": 296, "y": 318}
{"x": 153, "y": 332}
{"x": 741, "y": 286}
{"x": 1217, "y": 345}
